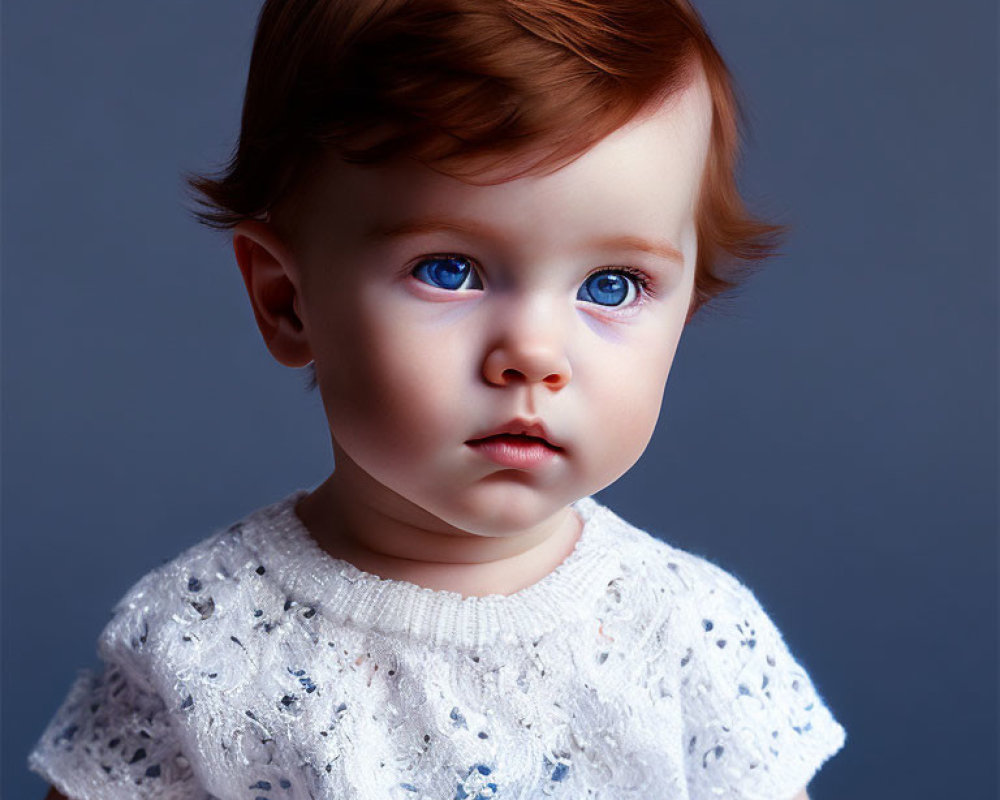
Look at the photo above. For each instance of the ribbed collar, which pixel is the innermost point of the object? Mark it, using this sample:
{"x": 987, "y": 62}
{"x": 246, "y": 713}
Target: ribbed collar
{"x": 343, "y": 593}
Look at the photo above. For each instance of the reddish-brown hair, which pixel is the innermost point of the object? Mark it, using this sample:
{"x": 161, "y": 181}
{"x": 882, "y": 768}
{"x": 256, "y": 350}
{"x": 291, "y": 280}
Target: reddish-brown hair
{"x": 467, "y": 86}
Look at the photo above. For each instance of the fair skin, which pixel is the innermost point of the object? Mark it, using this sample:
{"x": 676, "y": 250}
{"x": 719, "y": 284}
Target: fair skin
{"x": 435, "y": 311}
{"x": 410, "y": 372}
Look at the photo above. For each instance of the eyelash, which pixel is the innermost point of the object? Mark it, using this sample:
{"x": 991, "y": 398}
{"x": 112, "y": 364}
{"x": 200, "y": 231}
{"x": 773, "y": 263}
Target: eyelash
{"x": 644, "y": 284}
{"x": 642, "y": 281}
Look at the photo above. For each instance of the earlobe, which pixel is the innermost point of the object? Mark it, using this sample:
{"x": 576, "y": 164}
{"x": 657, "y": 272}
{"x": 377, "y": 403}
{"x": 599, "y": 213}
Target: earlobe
{"x": 272, "y": 282}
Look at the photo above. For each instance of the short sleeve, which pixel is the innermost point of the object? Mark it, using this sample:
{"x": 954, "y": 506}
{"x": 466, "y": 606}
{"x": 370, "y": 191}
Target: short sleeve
{"x": 755, "y": 726}
{"x": 113, "y": 737}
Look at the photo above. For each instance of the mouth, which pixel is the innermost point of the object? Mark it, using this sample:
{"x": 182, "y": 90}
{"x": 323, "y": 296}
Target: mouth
{"x": 516, "y": 440}
{"x": 519, "y": 432}
{"x": 520, "y": 444}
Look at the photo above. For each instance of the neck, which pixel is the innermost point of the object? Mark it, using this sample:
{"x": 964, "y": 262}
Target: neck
{"x": 356, "y": 519}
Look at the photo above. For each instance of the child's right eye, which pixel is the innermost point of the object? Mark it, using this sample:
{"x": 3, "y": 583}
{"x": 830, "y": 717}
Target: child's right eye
{"x": 448, "y": 272}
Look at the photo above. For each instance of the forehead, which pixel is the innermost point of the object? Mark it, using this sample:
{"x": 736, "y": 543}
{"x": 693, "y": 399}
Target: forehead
{"x": 644, "y": 177}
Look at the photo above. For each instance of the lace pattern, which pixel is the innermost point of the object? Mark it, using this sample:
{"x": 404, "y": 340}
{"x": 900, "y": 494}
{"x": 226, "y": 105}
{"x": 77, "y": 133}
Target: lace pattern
{"x": 239, "y": 677}
{"x": 112, "y": 740}
{"x": 755, "y": 726}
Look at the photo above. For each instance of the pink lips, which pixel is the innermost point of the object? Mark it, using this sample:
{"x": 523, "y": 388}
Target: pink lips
{"x": 521, "y": 444}
{"x": 514, "y": 451}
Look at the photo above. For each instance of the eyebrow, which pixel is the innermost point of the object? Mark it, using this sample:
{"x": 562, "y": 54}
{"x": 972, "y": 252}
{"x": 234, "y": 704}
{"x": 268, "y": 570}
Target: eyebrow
{"x": 415, "y": 227}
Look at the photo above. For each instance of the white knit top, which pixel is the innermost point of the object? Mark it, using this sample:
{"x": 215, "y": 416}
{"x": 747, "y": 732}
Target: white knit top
{"x": 255, "y": 665}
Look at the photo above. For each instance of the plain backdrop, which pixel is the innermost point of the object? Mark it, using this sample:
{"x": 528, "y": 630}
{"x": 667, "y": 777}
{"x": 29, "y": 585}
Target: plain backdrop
{"x": 829, "y": 434}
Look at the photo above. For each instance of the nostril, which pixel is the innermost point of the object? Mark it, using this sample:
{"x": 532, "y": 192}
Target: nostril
{"x": 504, "y": 367}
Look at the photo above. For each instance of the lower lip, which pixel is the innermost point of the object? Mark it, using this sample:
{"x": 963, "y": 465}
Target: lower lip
{"x": 511, "y": 451}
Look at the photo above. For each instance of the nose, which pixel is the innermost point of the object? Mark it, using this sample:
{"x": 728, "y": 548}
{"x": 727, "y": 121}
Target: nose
{"x": 504, "y": 366}
{"x": 529, "y": 357}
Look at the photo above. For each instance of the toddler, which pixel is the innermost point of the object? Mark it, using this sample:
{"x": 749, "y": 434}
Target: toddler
{"x": 483, "y": 224}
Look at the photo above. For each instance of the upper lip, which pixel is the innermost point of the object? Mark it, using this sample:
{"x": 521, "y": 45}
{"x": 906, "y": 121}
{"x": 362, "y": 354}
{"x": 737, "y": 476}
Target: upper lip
{"x": 522, "y": 427}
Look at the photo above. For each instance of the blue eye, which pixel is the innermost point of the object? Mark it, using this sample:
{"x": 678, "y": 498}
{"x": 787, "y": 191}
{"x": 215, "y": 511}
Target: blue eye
{"x": 448, "y": 272}
{"x": 611, "y": 288}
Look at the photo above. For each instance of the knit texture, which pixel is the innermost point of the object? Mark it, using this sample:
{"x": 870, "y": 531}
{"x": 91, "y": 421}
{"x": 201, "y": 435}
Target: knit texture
{"x": 256, "y": 666}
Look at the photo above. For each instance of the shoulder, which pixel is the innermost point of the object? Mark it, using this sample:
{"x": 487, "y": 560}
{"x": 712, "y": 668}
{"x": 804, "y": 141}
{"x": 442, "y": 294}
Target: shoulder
{"x": 753, "y": 723}
{"x": 709, "y": 620}
{"x": 720, "y": 603}
{"x": 689, "y": 583}
{"x": 163, "y": 607}
{"x": 157, "y": 690}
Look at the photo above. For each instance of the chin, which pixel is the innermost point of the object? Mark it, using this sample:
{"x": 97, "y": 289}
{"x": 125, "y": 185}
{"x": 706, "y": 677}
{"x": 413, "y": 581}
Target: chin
{"x": 503, "y": 510}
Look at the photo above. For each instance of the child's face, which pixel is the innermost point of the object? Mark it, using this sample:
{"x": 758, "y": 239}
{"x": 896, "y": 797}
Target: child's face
{"x": 436, "y": 312}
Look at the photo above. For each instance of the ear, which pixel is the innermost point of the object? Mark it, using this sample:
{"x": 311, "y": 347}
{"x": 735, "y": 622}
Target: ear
{"x": 272, "y": 280}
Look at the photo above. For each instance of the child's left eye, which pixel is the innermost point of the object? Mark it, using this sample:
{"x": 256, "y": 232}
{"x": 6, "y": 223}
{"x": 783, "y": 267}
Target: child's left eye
{"x": 448, "y": 272}
{"x": 614, "y": 287}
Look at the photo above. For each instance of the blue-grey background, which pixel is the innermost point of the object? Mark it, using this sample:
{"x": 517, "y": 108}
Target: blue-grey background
{"x": 829, "y": 434}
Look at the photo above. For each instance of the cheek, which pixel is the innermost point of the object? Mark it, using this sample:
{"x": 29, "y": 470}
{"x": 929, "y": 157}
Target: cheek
{"x": 629, "y": 414}
{"x": 396, "y": 382}
{"x": 627, "y": 395}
